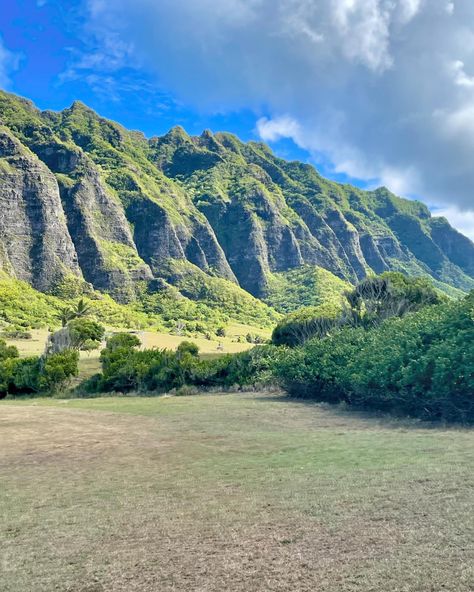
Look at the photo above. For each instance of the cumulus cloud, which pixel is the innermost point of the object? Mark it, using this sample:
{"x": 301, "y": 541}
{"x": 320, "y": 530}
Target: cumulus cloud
{"x": 383, "y": 89}
{"x": 8, "y": 63}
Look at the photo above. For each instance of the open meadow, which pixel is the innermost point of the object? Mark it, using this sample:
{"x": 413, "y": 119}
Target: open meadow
{"x": 89, "y": 361}
{"x": 235, "y": 493}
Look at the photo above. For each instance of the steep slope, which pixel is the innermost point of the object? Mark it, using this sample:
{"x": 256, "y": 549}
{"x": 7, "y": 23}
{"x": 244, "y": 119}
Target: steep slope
{"x": 288, "y": 215}
{"x": 84, "y": 198}
{"x": 35, "y": 242}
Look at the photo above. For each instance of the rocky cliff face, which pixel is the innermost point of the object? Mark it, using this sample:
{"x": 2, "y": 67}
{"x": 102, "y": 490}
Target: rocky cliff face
{"x": 82, "y": 196}
{"x": 35, "y": 242}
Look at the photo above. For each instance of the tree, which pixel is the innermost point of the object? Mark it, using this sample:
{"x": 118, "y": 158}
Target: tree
{"x": 187, "y": 347}
{"x": 85, "y": 334}
{"x": 123, "y": 340}
{"x": 80, "y": 311}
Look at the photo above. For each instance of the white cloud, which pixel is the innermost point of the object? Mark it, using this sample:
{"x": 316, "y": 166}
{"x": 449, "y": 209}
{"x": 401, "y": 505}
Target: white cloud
{"x": 383, "y": 89}
{"x": 8, "y": 63}
{"x": 460, "y": 76}
{"x": 271, "y": 130}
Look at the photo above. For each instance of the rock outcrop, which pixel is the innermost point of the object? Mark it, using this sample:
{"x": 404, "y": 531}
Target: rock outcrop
{"x": 35, "y": 242}
{"x": 81, "y": 196}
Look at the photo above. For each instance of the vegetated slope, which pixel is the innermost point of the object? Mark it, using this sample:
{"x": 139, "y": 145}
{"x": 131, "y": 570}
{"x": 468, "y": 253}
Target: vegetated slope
{"x": 89, "y": 202}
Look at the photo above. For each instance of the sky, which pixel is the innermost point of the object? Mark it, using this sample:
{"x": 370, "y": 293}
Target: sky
{"x": 372, "y": 92}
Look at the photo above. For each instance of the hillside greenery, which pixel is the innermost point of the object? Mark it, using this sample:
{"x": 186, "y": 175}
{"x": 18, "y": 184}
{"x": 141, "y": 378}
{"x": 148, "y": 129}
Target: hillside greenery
{"x": 215, "y": 304}
{"x": 412, "y": 358}
{"x": 213, "y": 216}
{"x": 304, "y": 286}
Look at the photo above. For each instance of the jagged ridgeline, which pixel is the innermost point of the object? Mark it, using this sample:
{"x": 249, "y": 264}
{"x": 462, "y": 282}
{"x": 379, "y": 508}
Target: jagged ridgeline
{"x": 85, "y": 202}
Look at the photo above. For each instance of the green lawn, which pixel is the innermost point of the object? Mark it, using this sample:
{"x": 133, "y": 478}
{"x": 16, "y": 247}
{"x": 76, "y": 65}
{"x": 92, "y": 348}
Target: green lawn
{"x": 244, "y": 492}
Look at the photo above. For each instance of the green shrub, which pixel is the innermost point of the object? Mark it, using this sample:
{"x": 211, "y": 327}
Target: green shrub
{"x": 123, "y": 340}
{"x": 253, "y": 367}
{"x": 7, "y": 351}
{"x": 24, "y": 376}
{"x": 420, "y": 365}
{"x": 85, "y": 334}
{"x": 58, "y": 369}
{"x": 21, "y": 376}
{"x": 187, "y": 347}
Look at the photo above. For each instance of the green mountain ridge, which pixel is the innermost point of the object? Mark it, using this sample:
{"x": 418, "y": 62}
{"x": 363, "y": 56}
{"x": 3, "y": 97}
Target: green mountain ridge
{"x": 219, "y": 221}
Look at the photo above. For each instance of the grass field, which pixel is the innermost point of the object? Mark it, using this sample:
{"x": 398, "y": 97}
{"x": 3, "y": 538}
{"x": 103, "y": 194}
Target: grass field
{"x": 89, "y": 362}
{"x": 238, "y": 493}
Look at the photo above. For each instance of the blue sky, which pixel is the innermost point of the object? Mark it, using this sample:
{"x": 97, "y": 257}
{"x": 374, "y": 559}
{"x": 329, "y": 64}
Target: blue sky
{"x": 47, "y": 37}
{"x": 370, "y": 91}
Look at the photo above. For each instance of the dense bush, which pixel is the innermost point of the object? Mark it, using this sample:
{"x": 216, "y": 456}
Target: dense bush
{"x": 125, "y": 368}
{"x": 421, "y": 365}
{"x": 85, "y": 334}
{"x": 7, "y": 351}
{"x": 298, "y": 327}
{"x": 34, "y": 375}
{"x": 57, "y": 369}
{"x": 372, "y": 301}
{"x": 253, "y": 367}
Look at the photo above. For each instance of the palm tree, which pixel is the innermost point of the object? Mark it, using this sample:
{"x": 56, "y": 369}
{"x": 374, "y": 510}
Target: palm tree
{"x": 69, "y": 314}
{"x": 82, "y": 309}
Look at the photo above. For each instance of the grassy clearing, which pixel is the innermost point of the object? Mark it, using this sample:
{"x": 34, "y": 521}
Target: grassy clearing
{"x": 89, "y": 362}
{"x": 236, "y": 493}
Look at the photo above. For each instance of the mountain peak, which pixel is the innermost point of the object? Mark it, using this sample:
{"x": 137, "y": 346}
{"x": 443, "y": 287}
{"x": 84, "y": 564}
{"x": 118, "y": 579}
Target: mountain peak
{"x": 133, "y": 211}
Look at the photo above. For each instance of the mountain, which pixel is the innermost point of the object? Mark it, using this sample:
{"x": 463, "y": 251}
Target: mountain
{"x": 85, "y": 202}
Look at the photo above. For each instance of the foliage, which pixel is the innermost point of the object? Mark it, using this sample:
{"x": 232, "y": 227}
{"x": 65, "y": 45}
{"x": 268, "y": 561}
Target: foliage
{"x": 77, "y": 312}
{"x": 298, "y": 327}
{"x": 8, "y": 359}
{"x": 125, "y": 368}
{"x": 187, "y": 347}
{"x": 389, "y": 295}
{"x": 251, "y": 368}
{"x": 372, "y": 301}
{"x": 7, "y": 351}
{"x": 31, "y": 375}
{"x": 420, "y": 365}
{"x": 22, "y": 307}
{"x": 85, "y": 334}
{"x": 122, "y": 340}
{"x": 304, "y": 286}
{"x": 57, "y": 369}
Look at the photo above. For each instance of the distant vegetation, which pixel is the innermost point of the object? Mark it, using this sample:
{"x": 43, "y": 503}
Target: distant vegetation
{"x": 23, "y": 308}
{"x": 304, "y": 286}
{"x": 368, "y": 304}
{"x": 391, "y": 344}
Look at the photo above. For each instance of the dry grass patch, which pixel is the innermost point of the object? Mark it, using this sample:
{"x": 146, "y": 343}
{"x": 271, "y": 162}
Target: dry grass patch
{"x": 236, "y": 493}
